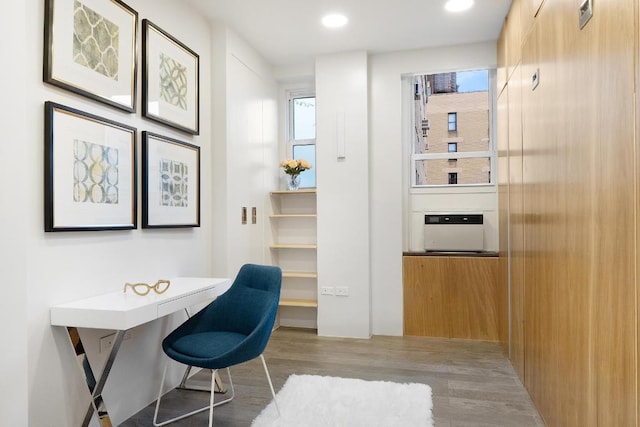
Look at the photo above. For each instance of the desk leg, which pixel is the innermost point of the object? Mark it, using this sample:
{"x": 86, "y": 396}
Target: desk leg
{"x": 95, "y": 387}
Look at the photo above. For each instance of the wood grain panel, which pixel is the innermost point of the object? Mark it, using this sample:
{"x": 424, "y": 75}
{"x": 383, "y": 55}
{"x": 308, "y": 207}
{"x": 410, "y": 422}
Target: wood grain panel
{"x": 571, "y": 200}
{"x": 514, "y": 37}
{"x": 516, "y": 224}
{"x": 611, "y": 39}
{"x": 578, "y": 215}
{"x": 556, "y": 308}
{"x": 538, "y": 373}
{"x": 501, "y": 68}
{"x": 472, "y": 299}
{"x": 637, "y": 206}
{"x": 503, "y": 219}
{"x": 528, "y": 11}
{"x": 424, "y": 281}
{"x": 453, "y": 297}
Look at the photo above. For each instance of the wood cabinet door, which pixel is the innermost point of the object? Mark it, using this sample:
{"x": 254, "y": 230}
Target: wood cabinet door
{"x": 472, "y": 297}
{"x": 451, "y": 297}
{"x": 425, "y": 307}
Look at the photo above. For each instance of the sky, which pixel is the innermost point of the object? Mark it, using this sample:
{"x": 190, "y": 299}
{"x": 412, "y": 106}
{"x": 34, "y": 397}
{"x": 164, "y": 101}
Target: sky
{"x": 472, "y": 81}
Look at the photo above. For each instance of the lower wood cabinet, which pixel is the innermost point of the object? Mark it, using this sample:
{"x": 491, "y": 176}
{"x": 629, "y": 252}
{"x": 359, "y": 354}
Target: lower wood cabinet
{"x": 451, "y": 296}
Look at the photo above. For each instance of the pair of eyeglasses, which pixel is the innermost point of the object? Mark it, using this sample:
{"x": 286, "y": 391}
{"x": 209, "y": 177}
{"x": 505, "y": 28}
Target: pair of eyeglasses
{"x": 143, "y": 289}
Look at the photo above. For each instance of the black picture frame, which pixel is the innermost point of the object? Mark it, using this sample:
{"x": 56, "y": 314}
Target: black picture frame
{"x": 170, "y": 80}
{"x": 103, "y": 70}
{"x": 90, "y": 172}
{"x": 171, "y": 182}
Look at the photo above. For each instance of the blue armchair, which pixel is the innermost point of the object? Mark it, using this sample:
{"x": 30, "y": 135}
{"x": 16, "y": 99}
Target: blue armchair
{"x": 233, "y": 329}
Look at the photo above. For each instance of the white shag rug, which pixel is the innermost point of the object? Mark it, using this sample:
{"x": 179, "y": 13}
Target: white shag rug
{"x": 315, "y": 401}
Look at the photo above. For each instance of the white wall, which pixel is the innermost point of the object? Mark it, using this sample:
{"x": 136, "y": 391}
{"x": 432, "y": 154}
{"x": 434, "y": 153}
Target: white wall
{"x": 219, "y": 259}
{"x": 50, "y": 268}
{"x": 343, "y": 193}
{"x": 245, "y": 152}
{"x": 388, "y": 157}
{"x": 465, "y": 199}
{"x": 16, "y": 137}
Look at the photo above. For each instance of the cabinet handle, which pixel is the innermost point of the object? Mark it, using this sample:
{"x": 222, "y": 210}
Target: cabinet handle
{"x": 254, "y": 215}
{"x": 244, "y": 215}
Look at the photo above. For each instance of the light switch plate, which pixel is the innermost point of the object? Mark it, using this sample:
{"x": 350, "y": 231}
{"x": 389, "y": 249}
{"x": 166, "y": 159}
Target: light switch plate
{"x": 585, "y": 12}
{"x": 342, "y": 291}
{"x": 327, "y": 290}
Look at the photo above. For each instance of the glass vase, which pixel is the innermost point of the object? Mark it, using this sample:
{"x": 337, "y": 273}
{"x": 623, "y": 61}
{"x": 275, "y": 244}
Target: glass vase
{"x": 293, "y": 182}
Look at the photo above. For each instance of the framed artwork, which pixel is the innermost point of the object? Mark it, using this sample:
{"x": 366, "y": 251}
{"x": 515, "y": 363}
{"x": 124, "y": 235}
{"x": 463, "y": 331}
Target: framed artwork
{"x": 90, "y": 172}
{"x": 171, "y": 80}
{"x": 171, "y": 182}
{"x": 90, "y": 49}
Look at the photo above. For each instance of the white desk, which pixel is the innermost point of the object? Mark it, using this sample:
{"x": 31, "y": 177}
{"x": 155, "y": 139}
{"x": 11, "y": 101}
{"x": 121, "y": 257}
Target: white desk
{"x": 121, "y": 311}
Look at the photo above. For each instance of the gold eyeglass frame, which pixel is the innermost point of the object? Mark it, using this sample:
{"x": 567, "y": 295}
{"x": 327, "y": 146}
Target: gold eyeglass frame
{"x": 143, "y": 289}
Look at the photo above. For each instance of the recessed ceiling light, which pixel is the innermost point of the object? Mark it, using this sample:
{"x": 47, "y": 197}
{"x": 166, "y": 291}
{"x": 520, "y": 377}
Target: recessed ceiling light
{"x": 458, "y": 5}
{"x": 334, "y": 21}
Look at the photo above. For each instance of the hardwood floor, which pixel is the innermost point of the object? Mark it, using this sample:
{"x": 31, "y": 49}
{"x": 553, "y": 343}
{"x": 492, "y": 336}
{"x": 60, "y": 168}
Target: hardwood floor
{"x": 473, "y": 383}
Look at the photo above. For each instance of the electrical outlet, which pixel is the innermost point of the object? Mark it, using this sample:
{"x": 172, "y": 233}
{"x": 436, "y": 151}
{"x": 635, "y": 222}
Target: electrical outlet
{"x": 342, "y": 291}
{"x": 106, "y": 342}
{"x": 327, "y": 290}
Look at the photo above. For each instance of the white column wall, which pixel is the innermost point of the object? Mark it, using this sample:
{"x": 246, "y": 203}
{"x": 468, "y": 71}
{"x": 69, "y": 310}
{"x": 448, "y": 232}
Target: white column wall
{"x": 14, "y": 26}
{"x": 389, "y": 177}
{"x": 343, "y": 194}
{"x": 51, "y": 268}
{"x": 219, "y": 190}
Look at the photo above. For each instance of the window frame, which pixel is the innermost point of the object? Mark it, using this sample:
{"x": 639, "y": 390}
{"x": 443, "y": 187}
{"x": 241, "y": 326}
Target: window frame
{"x": 491, "y": 153}
{"x": 293, "y": 94}
{"x": 454, "y": 122}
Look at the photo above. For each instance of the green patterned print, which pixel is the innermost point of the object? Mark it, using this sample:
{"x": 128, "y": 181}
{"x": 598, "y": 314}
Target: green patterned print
{"x": 95, "y": 41}
{"x": 95, "y": 173}
{"x": 174, "y": 183}
{"x": 173, "y": 82}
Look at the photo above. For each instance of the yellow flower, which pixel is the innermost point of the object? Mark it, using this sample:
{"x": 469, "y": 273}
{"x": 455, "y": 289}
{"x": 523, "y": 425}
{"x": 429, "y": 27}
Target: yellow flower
{"x": 294, "y": 167}
{"x": 303, "y": 163}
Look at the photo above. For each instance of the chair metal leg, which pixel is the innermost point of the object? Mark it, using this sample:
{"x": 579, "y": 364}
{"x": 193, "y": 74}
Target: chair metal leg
{"x": 197, "y": 411}
{"x": 219, "y": 388}
{"x": 155, "y": 414}
{"x": 273, "y": 393}
{"x": 212, "y": 395}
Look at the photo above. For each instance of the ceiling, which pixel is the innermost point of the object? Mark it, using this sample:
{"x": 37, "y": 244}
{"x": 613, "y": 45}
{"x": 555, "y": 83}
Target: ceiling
{"x": 289, "y": 32}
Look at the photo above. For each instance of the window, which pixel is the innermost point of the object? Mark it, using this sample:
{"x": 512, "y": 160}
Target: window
{"x": 453, "y": 122}
{"x": 453, "y": 147}
{"x": 302, "y": 133}
{"x": 304, "y": 118}
{"x": 462, "y": 102}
